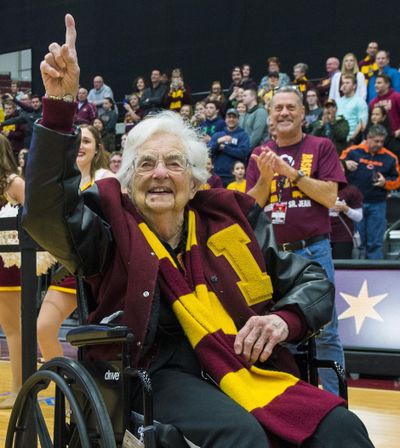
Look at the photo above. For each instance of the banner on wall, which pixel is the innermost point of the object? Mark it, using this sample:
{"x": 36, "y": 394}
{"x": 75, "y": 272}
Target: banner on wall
{"x": 368, "y": 307}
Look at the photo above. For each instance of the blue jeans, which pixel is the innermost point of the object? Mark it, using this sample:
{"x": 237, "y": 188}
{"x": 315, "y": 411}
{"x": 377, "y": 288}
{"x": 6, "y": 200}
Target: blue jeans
{"x": 372, "y": 229}
{"x": 327, "y": 341}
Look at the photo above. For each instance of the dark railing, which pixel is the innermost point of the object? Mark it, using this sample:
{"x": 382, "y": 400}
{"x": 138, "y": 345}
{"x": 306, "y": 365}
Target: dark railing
{"x": 28, "y": 249}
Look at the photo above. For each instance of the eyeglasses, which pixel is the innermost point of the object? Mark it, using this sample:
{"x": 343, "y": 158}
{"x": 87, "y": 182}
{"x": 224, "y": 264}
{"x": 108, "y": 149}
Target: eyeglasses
{"x": 174, "y": 163}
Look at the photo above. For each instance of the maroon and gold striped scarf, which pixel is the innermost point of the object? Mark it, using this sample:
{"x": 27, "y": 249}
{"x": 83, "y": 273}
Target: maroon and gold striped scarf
{"x": 285, "y": 406}
{"x": 177, "y": 98}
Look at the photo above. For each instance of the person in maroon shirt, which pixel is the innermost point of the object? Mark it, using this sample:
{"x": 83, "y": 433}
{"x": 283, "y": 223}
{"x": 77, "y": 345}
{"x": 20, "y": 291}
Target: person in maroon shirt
{"x": 213, "y": 181}
{"x": 390, "y": 100}
{"x": 86, "y": 112}
{"x": 297, "y": 177}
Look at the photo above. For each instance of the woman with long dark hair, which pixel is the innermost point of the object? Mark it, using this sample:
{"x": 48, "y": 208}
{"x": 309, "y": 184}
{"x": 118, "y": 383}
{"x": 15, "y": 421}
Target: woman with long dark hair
{"x": 139, "y": 84}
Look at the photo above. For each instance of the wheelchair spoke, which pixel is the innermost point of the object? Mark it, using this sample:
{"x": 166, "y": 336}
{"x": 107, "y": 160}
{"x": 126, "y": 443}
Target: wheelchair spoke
{"x": 87, "y": 412}
{"x": 60, "y": 425}
{"x": 41, "y": 427}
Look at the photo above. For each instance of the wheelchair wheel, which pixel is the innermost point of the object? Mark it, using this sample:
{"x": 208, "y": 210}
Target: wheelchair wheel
{"x": 79, "y": 416}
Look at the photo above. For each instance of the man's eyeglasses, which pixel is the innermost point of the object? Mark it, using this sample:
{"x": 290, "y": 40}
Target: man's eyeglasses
{"x": 174, "y": 163}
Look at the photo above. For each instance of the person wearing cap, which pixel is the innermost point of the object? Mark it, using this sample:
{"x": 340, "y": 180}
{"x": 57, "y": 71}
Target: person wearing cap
{"x": 332, "y": 126}
{"x": 228, "y": 146}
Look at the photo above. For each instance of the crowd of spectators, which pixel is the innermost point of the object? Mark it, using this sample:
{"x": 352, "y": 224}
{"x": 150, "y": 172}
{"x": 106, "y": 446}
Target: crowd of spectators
{"x": 342, "y": 106}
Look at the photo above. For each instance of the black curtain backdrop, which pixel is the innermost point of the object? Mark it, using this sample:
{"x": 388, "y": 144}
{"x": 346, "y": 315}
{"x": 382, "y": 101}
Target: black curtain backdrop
{"x": 123, "y": 39}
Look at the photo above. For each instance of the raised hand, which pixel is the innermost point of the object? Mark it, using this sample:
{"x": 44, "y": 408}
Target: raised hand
{"x": 60, "y": 69}
{"x": 265, "y": 162}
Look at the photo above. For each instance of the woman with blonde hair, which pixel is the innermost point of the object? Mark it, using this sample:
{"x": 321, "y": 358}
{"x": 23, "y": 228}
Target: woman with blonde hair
{"x": 12, "y": 192}
{"x": 349, "y": 67}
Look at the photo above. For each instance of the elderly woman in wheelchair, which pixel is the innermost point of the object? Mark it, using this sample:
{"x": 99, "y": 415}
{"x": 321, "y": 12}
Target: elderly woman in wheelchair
{"x": 195, "y": 275}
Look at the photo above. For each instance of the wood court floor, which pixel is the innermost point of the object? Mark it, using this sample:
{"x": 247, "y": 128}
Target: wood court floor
{"x": 378, "y": 409}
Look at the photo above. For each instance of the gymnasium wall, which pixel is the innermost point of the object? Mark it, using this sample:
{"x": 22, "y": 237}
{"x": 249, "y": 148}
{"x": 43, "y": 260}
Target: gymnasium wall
{"x": 122, "y": 39}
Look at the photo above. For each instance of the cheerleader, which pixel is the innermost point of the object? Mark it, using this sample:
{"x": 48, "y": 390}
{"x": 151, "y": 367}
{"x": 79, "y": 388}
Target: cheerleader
{"x": 12, "y": 189}
{"x": 60, "y": 300}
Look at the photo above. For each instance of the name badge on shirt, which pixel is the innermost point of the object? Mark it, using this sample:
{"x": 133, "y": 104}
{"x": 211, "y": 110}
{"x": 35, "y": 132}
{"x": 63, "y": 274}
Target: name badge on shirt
{"x": 278, "y": 214}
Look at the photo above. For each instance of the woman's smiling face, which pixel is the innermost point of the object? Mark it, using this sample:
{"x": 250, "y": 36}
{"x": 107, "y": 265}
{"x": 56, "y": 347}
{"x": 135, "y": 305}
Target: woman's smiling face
{"x": 87, "y": 149}
{"x": 160, "y": 190}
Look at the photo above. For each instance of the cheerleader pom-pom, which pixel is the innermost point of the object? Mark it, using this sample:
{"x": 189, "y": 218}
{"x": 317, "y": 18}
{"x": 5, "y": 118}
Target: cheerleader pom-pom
{"x": 44, "y": 261}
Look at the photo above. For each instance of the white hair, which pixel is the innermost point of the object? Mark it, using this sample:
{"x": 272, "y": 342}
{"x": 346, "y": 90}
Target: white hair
{"x": 168, "y": 123}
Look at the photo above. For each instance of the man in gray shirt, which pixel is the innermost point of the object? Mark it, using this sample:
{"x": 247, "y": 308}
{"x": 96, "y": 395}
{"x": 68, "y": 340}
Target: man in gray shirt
{"x": 98, "y": 93}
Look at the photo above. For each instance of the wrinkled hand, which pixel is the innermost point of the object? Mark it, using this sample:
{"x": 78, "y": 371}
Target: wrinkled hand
{"x": 259, "y": 336}
{"x": 60, "y": 69}
{"x": 351, "y": 165}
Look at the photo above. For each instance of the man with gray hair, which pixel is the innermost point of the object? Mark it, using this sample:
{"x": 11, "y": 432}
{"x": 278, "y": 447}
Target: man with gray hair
{"x": 297, "y": 177}
{"x": 324, "y": 85}
{"x": 86, "y": 112}
{"x": 99, "y": 92}
{"x": 374, "y": 171}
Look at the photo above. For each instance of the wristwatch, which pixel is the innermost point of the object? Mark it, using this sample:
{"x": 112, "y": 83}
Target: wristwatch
{"x": 300, "y": 174}
{"x": 68, "y": 98}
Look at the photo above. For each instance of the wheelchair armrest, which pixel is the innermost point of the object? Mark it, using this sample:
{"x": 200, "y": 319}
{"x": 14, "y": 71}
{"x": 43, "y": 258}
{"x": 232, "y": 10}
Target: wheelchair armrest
{"x": 99, "y": 334}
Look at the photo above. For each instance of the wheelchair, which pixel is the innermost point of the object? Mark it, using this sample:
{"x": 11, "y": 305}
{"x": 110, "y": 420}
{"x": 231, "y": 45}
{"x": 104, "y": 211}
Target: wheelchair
{"x": 92, "y": 398}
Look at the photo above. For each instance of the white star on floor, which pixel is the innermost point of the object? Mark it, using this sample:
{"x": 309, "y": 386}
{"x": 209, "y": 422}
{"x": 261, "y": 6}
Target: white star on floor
{"x": 362, "y": 306}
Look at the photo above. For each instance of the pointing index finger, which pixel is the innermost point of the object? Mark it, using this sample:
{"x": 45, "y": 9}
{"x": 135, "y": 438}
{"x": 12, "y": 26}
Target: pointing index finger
{"x": 70, "y": 33}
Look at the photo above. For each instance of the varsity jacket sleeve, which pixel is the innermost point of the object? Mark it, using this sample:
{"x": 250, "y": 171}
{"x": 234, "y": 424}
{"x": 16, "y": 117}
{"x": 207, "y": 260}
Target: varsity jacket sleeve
{"x": 295, "y": 280}
{"x": 55, "y": 214}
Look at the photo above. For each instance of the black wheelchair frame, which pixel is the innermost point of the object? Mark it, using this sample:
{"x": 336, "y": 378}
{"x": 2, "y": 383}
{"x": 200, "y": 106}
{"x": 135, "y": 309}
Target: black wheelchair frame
{"x": 92, "y": 398}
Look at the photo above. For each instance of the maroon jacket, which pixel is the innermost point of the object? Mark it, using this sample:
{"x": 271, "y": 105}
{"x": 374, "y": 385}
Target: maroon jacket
{"x": 85, "y": 113}
{"x": 391, "y": 102}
